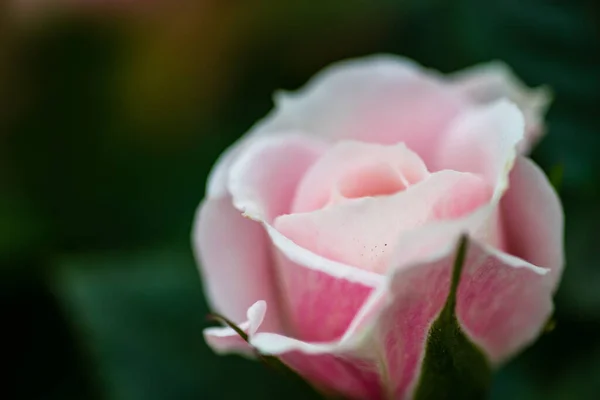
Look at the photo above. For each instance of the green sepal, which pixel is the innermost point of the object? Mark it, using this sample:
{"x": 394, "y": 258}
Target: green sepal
{"x": 453, "y": 366}
{"x": 272, "y": 362}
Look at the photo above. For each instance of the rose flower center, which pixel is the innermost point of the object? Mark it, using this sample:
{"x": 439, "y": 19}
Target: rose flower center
{"x": 356, "y": 201}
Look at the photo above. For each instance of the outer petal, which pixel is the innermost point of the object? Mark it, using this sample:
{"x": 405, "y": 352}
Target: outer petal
{"x": 383, "y": 99}
{"x": 234, "y": 259}
{"x": 388, "y": 99}
{"x": 263, "y": 180}
{"x": 489, "y": 82}
{"x": 226, "y": 339}
{"x": 503, "y": 303}
{"x": 321, "y": 297}
{"x": 483, "y": 141}
{"x": 533, "y": 218}
{"x": 329, "y": 367}
{"x": 218, "y": 177}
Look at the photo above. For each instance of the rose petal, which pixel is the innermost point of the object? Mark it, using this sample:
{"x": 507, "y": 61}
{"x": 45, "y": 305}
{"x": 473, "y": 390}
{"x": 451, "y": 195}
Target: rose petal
{"x": 226, "y": 340}
{"x": 234, "y": 260}
{"x": 263, "y": 180}
{"x": 326, "y": 366}
{"x": 483, "y": 141}
{"x": 348, "y": 166}
{"x": 381, "y": 99}
{"x": 219, "y": 174}
{"x": 486, "y": 83}
{"x": 320, "y": 306}
{"x": 363, "y": 232}
{"x": 533, "y": 218}
{"x": 503, "y": 303}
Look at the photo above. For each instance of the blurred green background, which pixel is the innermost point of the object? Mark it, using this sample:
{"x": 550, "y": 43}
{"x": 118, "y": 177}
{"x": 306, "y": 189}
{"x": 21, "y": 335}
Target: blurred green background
{"x": 112, "y": 113}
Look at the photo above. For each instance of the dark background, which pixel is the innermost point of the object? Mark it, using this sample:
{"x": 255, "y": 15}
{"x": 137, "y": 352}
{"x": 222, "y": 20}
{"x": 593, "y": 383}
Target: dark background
{"x": 111, "y": 116}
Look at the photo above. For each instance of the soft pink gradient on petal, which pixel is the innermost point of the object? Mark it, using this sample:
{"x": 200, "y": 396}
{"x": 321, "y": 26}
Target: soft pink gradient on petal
{"x": 533, "y": 218}
{"x": 517, "y": 298}
{"x": 415, "y": 297}
{"x": 383, "y": 354}
{"x": 225, "y": 339}
{"x": 319, "y": 306}
{"x": 320, "y": 297}
{"x": 503, "y": 303}
{"x": 234, "y": 259}
{"x": 389, "y": 99}
{"x": 483, "y": 141}
{"x": 381, "y": 99}
{"x": 373, "y": 180}
{"x": 489, "y": 82}
{"x": 332, "y": 367}
{"x": 363, "y": 232}
{"x": 353, "y": 377}
{"x": 263, "y": 180}
{"x": 357, "y": 169}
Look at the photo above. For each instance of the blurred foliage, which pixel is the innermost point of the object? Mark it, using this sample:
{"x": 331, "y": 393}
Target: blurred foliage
{"x": 111, "y": 118}
{"x": 141, "y": 312}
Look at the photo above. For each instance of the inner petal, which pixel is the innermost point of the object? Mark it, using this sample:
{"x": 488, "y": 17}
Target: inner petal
{"x": 353, "y": 169}
{"x": 362, "y": 232}
{"x": 372, "y": 180}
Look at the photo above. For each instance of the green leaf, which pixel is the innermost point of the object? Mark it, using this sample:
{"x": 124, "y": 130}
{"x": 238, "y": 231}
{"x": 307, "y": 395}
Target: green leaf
{"x": 453, "y": 368}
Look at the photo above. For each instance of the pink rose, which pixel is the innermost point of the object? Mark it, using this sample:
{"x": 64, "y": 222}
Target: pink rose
{"x": 329, "y": 231}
